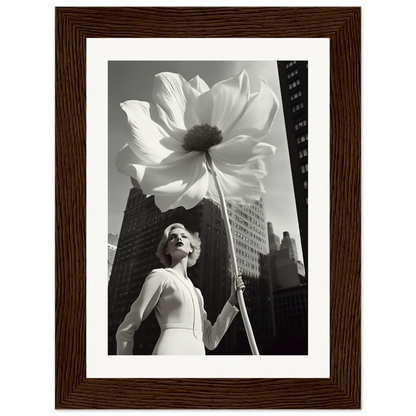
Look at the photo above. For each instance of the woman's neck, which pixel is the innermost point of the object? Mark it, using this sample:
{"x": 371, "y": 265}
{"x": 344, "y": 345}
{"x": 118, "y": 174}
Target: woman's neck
{"x": 180, "y": 267}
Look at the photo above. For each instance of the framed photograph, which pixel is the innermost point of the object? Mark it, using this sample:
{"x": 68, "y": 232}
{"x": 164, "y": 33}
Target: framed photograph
{"x": 99, "y": 66}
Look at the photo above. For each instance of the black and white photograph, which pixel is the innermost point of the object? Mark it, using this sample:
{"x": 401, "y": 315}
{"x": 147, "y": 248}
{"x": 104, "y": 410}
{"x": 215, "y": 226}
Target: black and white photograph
{"x": 208, "y": 208}
{"x": 209, "y": 199}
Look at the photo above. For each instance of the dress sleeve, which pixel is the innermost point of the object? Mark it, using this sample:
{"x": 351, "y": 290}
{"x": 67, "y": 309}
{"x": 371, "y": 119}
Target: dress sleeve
{"x": 214, "y": 333}
{"x": 139, "y": 311}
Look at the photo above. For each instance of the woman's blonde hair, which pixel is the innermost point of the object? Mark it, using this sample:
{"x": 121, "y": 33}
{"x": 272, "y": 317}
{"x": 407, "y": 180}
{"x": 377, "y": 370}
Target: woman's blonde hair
{"x": 193, "y": 238}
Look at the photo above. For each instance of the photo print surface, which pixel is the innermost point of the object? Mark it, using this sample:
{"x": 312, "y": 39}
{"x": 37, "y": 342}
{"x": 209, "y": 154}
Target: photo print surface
{"x": 269, "y": 228}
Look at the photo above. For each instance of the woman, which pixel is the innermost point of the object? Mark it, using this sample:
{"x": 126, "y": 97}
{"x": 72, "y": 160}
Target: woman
{"x": 178, "y": 305}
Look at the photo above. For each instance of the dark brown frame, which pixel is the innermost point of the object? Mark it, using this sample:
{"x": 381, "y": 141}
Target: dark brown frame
{"x": 343, "y": 389}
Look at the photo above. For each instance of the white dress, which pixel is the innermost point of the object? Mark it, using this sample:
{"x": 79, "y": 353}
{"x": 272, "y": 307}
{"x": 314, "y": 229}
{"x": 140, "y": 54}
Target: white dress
{"x": 179, "y": 308}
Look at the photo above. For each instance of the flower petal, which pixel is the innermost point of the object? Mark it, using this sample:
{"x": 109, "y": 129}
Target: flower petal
{"x": 258, "y": 118}
{"x": 230, "y": 99}
{"x": 146, "y": 138}
{"x": 240, "y": 151}
{"x": 195, "y": 193}
{"x": 200, "y": 111}
{"x": 126, "y": 160}
{"x": 238, "y": 187}
{"x": 177, "y": 181}
{"x": 223, "y": 104}
{"x": 171, "y": 93}
{"x": 258, "y": 168}
{"x": 199, "y": 84}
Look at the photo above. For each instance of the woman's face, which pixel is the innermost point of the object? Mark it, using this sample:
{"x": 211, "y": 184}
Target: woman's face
{"x": 178, "y": 244}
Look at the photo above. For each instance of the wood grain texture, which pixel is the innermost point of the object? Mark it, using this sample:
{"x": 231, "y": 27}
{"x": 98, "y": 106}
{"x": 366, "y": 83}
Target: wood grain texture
{"x": 73, "y": 389}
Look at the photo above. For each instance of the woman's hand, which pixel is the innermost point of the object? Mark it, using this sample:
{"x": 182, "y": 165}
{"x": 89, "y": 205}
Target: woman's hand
{"x": 236, "y": 284}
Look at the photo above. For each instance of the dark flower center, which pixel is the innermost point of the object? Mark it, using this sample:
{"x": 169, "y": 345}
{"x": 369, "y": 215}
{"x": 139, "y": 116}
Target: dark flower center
{"x": 202, "y": 138}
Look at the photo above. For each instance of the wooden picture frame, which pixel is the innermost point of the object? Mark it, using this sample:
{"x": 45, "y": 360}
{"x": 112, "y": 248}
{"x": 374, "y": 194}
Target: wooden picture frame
{"x": 342, "y": 389}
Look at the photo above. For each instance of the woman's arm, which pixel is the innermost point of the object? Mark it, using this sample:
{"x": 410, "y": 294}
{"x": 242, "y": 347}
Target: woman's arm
{"x": 139, "y": 311}
{"x": 214, "y": 333}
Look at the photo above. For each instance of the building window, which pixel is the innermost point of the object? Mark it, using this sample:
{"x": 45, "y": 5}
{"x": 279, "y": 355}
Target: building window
{"x": 304, "y": 168}
{"x": 294, "y": 84}
{"x": 292, "y": 74}
{"x": 297, "y": 107}
{"x": 303, "y": 153}
{"x": 301, "y": 124}
{"x": 295, "y": 95}
{"x": 305, "y": 184}
{"x": 302, "y": 138}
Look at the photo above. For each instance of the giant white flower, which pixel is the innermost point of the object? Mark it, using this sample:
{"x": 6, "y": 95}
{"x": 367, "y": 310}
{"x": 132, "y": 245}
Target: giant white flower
{"x": 167, "y": 152}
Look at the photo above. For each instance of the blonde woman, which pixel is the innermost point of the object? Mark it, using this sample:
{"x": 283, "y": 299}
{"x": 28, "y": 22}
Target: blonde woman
{"x": 179, "y": 306}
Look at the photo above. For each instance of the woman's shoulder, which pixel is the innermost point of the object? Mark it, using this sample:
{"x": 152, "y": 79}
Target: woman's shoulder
{"x": 160, "y": 271}
{"x": 158, "y": 274}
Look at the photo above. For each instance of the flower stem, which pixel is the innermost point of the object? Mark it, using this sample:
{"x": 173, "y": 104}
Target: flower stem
{"x": 240, "y": 297}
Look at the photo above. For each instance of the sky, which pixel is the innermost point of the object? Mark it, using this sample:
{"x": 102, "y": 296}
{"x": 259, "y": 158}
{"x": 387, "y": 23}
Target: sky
{"x": 133, "y": 80}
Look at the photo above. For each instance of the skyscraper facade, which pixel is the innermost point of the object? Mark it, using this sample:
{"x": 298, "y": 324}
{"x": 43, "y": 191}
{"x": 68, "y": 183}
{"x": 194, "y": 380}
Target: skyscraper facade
{"x": 248, "y": 225}
{"x": 290, "y": 244}
{"x": 293, "y": 77}
{"x": 249, "y": 228}
{"x": 290, "y": 297}
{"x": 274, "y": 240}
{"x": 291, "y": 314}
{"x": 112, "y": 248}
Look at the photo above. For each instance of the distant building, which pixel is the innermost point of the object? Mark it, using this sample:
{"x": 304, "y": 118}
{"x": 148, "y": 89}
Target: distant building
{"x": 284, "y": 267}
{"x": 301, "y": 271}
{"x": 274, "y": 240}
{"x": 291, "y": 315}
{"x": 290, "y": 298}
{"x": 285, "y": 270}
{"x": 112, "y": 248}
{"x": 249, "y": 227}
{"x": 290, "y": 244}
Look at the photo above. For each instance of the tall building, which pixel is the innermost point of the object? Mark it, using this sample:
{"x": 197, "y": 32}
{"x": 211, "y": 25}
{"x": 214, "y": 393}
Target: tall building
{"x": 293, "y": 76}
{"x": 112, "y": 248}
{"x": 290, "y": 244}
{"x": 285, "y": 268}
{"x": 290, "y": 298}
{"x": 274, "y": 240}
{"x": 141, "y": 231}
{"x": 291, "y": 315}
{"x": 248, "y": 225}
